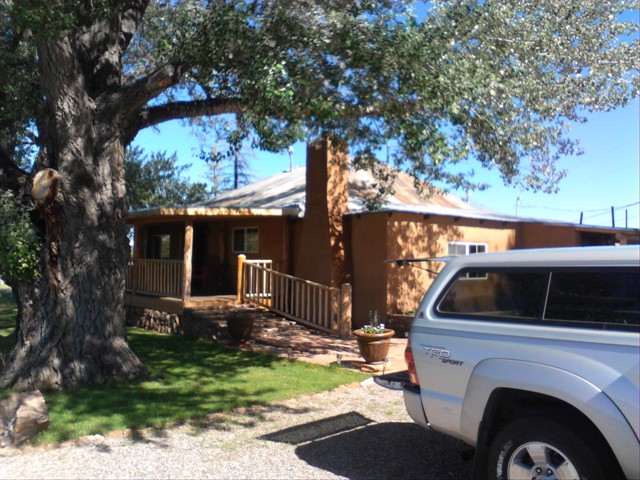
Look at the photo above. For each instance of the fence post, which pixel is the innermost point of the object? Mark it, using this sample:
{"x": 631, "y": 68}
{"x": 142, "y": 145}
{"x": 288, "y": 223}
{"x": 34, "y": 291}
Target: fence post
{"x": 134, "y": 274}
{"x": 187, "y": 257}
{"x": 241, "y": 260}
{"x": 344, "y": 321}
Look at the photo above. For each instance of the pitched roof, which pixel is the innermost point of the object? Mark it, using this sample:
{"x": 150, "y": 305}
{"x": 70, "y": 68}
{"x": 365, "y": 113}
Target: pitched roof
{"x": 286, "y": 192}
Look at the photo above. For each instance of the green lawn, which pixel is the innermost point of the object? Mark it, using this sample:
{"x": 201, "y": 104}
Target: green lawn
{"x": 190, "y": 380}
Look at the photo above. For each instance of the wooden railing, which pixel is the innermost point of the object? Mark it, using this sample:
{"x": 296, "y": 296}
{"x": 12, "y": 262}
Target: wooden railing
{"x": 155, "y": 277}
{"x": 312, "y": 304}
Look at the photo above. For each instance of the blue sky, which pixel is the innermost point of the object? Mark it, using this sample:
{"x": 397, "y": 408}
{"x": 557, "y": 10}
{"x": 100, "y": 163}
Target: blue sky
{"x": 606, "y": 175}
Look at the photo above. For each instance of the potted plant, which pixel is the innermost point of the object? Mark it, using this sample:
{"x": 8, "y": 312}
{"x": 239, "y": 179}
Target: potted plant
{"x": 240, "y": 325}
{"x": 374, "y": 339}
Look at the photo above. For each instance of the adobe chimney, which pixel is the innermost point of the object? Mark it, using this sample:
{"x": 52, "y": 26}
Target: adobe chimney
{"x": 321, "y": 255}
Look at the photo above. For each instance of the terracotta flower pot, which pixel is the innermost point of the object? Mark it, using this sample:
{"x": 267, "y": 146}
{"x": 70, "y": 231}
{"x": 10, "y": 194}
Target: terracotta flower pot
{"x": 374, "y": 347}
{"x": 240, "y": 328}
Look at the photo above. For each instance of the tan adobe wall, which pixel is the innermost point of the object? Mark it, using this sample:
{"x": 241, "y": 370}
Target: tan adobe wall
{"x": 538, "y": 235}
{"x": 272, "y": 243}
{"x": 416, "y": 236}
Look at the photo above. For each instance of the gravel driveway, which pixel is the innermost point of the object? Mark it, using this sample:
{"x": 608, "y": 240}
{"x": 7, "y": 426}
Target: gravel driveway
{"x": 360, "y": 431}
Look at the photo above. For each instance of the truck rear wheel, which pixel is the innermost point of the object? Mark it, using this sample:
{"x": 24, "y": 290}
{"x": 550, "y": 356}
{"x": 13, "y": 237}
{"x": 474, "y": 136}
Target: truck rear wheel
{"x": 539, "y": 448}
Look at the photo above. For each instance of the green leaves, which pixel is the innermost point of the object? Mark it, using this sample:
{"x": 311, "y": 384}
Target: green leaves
{"x": 492, "y": 83}
{"x": 157, "y": 181}
{"x": 19, "y": 245}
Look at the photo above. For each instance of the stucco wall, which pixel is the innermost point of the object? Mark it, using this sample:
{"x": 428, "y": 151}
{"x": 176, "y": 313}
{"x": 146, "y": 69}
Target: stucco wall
{"x": 176, "y": 233}
{"x": 415, "y": 236}
{"x": 538, "y": 235}
{"x": 272, "y": 243}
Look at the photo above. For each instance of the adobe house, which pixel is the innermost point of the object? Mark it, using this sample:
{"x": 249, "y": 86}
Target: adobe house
{"x": 312, "y": 223}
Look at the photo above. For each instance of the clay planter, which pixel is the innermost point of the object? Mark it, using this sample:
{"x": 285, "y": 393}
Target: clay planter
{"x": 374, "y": 347}
{"x": 240, "y": 327}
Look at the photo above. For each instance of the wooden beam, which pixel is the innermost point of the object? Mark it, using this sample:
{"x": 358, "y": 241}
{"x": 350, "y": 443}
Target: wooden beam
{"x": 187, "y": 259}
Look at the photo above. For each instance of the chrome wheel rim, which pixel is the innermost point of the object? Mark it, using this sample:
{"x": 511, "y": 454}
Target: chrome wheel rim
{"x": 540, "y": 461}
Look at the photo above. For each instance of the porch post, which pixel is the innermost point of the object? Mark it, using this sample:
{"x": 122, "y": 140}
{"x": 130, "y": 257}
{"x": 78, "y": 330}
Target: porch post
{"x": 344, "y": 321}
{"x": 186, "y": 262}
{"x": 138, "y": 252}
{"x": 241, "y": 260}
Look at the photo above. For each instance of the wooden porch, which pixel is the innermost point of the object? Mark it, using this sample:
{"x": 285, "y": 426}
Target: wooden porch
{"x": 164, "y": 285}
{"x": 175, "y": 304}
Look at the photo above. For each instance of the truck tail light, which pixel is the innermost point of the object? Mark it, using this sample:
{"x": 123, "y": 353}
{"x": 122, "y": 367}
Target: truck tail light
{"x": 411, "y": 364}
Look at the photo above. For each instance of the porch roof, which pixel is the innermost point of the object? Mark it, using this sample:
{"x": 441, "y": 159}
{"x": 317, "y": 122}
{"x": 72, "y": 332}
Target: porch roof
{"x": 195, "y": 211}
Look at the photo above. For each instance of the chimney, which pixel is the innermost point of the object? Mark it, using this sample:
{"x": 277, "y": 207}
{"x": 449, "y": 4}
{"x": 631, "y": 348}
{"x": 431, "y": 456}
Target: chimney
{"x": 321, "y": 254}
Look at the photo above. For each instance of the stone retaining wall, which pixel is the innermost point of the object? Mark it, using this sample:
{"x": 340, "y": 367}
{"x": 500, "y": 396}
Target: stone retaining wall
{"x": 155, "y": 320}
{"x": 185, "y": 324}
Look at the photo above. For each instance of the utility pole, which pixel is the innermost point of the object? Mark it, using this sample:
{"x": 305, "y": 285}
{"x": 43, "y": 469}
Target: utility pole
{"x": 517, "y": 205}
{"x": 236, "y": 170}
{"x": 613, "y": 219}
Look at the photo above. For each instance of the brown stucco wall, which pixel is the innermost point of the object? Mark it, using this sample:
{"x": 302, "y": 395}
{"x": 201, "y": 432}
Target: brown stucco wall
{"x": 176, "y": 233}
{"x": 271, "y": 233}
{"x": 416, "y": 236}
{"x": 538, "y": 235}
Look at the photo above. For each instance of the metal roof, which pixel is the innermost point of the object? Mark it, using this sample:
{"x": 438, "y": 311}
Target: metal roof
{"x": 284, "y": 195}
{"x": 286, "y": 191}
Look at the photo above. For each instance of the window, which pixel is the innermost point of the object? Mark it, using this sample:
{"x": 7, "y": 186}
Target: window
{"x": 458, "y": 249}
{"x": 245, "y": 240}
{"x": 162, "y": 246}
{"x": 503, "y": 294}
{"x": 606, "y": 298}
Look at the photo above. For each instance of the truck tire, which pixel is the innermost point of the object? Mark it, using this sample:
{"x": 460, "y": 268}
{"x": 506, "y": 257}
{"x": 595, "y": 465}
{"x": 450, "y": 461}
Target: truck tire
{"x": 543, "y": 448}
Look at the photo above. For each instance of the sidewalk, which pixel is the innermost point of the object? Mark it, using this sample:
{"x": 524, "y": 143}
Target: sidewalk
{"x": 278, "y": 336}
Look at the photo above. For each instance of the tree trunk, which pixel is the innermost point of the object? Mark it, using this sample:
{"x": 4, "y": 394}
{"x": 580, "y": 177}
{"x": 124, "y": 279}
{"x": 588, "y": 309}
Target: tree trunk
{"x": 72, "y": 331}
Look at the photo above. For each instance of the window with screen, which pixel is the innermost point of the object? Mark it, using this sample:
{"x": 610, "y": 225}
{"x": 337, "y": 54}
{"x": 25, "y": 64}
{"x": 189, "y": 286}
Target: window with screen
{"x": 458, "y": 249}
{"x": 245, "y": 240}
{"x": 162, "y": 246}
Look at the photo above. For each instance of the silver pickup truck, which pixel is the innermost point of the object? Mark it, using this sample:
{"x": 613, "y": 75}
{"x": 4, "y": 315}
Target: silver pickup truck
{"x": 532, "y": 358}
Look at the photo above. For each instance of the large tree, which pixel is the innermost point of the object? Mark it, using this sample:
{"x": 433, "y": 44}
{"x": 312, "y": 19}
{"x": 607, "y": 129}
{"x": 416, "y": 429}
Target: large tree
{"x": 490, "y": 81}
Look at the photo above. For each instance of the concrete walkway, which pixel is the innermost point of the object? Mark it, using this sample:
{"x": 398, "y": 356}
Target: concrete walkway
{"x": 278, "y": 336}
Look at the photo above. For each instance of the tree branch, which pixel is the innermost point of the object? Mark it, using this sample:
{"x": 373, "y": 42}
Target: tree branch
{"x": 134, "y": 98}
{"x": 150, "y": 116}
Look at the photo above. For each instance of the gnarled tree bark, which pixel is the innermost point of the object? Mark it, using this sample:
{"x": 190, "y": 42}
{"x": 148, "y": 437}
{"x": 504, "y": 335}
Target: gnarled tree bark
{"x": 72, "y": 319}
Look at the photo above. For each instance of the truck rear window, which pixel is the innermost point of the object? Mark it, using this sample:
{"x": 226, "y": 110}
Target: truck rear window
{"x": 590, "y": 298}
{"x": 600, "y": 297}
{"x": 498, "y": 294}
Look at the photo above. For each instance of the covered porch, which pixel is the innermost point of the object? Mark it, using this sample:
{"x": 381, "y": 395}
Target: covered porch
{"x": 188, "y": 257}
